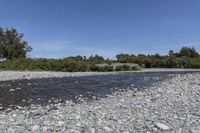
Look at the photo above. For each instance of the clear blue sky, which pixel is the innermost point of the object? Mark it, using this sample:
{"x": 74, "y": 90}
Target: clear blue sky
{"x": 60, "y": 28}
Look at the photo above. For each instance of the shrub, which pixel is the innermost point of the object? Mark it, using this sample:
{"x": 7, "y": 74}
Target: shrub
{"x": 118, "y": 68}
{"x": 123, "y": 68}
{"x": 133, "y": 68}
{"x": 126, "y": 68}
{"x": 107, "y": 69}
{"x": 94, "y": 68}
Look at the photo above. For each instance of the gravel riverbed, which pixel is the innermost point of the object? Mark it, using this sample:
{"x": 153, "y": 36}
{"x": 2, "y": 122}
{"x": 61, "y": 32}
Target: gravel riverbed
{"x": 15, "y": 75}
{"x": 172, "y": 105}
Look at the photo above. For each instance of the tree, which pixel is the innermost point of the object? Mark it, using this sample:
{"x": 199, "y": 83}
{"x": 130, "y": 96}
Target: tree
{"x": 11, "y": 44}
{"x": 189, "y": 52}
{"x": 96, "y": 59}
{"x": 171, "y": 53}
{"x": 157, "y": 55}
{"x": 121, "y": 56}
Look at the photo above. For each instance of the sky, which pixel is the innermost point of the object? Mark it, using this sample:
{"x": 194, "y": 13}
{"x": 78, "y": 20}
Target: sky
{"x": 61, "y": 28}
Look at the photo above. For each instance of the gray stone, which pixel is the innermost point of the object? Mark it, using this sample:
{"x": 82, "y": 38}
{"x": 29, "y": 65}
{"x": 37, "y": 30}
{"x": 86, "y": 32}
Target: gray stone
{"x": 61, "y": 123}
{"x": 35, "y": 128}
{"x": 193, "y": 130}
{"x": 94, "y": 97}
{"x": 11, "y": 90}
{"x": 154, "y": 129}
{"x": 107, "y": 129}
{"x": 162, "y": 126}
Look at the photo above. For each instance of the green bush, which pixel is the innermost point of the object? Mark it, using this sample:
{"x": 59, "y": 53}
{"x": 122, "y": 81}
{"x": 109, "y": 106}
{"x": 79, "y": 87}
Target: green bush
{"x": 126, "y": 68}
{"x": 94, "y": 68}
{"x": 118, "y": 68}
{"x": 123, "y": 68}
{"x": 107, "y": 69}
{"x": 44, "y": 64}
{"x": 133, "y": 68}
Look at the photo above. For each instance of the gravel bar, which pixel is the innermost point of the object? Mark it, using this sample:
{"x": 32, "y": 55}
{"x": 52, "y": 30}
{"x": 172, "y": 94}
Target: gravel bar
{"x": 14, "y": 75}
{"x": 171, "y": 106}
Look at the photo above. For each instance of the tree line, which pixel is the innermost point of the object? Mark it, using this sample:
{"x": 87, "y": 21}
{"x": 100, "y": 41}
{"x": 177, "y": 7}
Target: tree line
{"x": 14, "y": 49}
{"x": 186, "y": 58}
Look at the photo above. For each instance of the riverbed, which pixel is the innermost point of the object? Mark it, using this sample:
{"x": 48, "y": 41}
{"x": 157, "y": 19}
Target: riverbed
{"x": 119, "y": 102}
{"x": 51, "y": 90}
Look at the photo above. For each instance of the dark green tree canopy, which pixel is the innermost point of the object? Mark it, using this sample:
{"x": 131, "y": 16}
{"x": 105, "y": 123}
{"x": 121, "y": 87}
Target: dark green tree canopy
{"x": 189, "y": 52}
{"x": 11, "y": 44}
{"x": 96, "y": 59}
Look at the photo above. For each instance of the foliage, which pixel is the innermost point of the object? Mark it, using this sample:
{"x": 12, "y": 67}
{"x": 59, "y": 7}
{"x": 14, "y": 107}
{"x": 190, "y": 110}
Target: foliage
{"x": 94, "y": 68}
{"x": 44, "y": 64}
{"x": 123, "y": 68}
{"x": 185, "y": 58}
{"x": 11, "y": 44}
{"x": 189, "y": 52}
{"x": 79, "y": 63}
{"x": 96, "y": 59}
{"x": 107, "y": 69}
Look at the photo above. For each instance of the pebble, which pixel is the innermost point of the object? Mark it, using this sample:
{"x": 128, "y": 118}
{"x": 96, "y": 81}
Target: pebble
{"x": 94, "y": 97}
{"x": 78, "y": 124}
{"x": 35, "y": 128}
{"x": 154, "y": 129}
{"x": 29, "y": 84}
{"x": 11, "y": 90}
{"x": 61, "y": 123}
{"x": 107, "y": 129}
{"x": 162, "y": 126}
{"x": 92, "y": 130}
{"x": 125, "y": 132}
{"x": 192, "y": 130}
{"x": 44, "y": 129}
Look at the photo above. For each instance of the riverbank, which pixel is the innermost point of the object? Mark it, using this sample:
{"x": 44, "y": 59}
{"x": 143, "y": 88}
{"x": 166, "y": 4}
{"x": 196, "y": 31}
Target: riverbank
{"x": 172, "y": 105}
{"x": 169, "y": 70}
{"x": 15, "y": 75}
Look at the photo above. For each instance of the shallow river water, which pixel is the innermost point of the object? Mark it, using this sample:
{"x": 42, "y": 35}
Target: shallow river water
{"x": 50, "y": 90}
